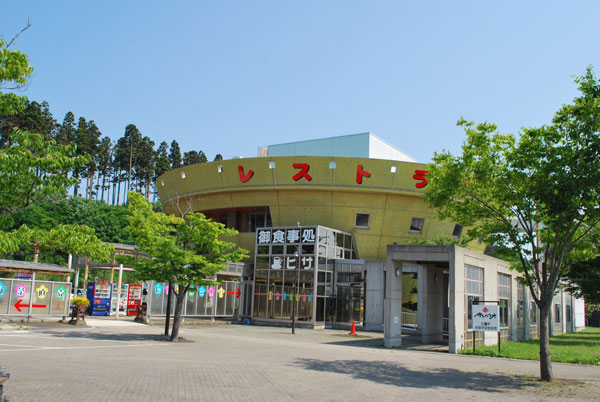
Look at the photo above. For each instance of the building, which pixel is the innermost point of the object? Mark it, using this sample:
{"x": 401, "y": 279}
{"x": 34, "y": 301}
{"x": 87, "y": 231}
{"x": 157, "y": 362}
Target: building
{"x": 336, "y": 208}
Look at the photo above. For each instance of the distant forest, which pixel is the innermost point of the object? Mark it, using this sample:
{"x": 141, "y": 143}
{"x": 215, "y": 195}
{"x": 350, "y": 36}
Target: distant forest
{"x": 132, "y": 162}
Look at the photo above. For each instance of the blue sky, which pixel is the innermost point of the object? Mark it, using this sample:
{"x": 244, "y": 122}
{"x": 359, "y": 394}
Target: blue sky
{"x": 229, "y": 76}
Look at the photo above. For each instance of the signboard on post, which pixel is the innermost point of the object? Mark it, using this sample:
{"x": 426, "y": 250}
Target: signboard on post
{"x": 486, "y": 317}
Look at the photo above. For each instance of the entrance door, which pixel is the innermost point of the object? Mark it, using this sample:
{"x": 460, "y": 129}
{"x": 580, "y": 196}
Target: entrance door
{"x": 349, "y": 302}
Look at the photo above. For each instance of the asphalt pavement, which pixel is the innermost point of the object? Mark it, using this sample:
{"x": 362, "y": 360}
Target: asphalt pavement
{"x": 126, "y": 361}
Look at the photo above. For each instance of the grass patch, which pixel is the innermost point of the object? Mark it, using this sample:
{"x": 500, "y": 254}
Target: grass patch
{"x": 580, "y": 348}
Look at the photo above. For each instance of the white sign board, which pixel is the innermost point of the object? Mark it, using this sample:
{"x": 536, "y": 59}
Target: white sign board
{"x": 486, "y": 317}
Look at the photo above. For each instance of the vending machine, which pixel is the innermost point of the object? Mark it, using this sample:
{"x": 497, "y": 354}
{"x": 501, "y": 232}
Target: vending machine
{"x": 122, "y": 303}
{"x": 99, "y": 294}
{"x": 134, "y": 299}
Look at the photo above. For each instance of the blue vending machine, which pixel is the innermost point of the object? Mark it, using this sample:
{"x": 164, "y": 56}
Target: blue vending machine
{"x": 99, "y": 294}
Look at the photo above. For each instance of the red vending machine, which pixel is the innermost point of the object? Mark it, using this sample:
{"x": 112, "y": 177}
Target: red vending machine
{"x": 134, "y": 299}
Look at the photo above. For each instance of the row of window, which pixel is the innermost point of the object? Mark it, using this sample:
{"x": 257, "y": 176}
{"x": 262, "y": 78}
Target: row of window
{"x": 416, "y": 224}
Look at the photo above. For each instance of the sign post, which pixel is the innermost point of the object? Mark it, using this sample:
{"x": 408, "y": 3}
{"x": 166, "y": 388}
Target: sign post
{"x": 486, "y": 318}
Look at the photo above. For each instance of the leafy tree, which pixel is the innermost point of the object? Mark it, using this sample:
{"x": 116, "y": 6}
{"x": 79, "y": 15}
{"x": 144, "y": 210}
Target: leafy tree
{"x": 161, "y": 163}
{"x": 133, "y": 137}
{"x": 175, "y": 155}
{"x": 32, "y": 170}
{"x": 81, "y": 134}
{"x": 512, "y": 192}
{"x": 14, "y": 72}
{"x": 65, "y": 133}
{"x": 182, "y": 250}
{"x": 120, "y": 166}
{"x": 108, "y": 221}
{"x": 33, "y": 117}
{"x": 218, "y": 157}
{"x": 144, "y": 167}
{"x": 90, "y": 145}
{"x": 104, "y": 163}
{"x": 192, "y": 157}
{"x": 584, "y": 278}
{"x": 73, "y": 239}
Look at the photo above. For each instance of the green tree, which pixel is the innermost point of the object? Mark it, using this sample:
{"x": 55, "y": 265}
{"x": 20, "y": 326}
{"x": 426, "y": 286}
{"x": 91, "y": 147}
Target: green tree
{"x": 512, "y": 192}
{"x": 218, "y": 157}
{"x": 104, "y": 164}
{"x": 133, "y": 138}
{"x": 181, "y": 250}
{"x": 108, "y": 221}
{"x": 175, "y": 155}
{"x": 65, "y": 133}
{"x": 90, "y": 145}
{"x": 14, "y": 72}
{"x": 32, "y": 170}
{"x": 192, "y": 157}
{"x": 144, "y": 167}
{"x": 161, "y": 163}
{"x": 33, "y": 117}
{"x": 120, "y": 167}
{"x": 584, "y": 280}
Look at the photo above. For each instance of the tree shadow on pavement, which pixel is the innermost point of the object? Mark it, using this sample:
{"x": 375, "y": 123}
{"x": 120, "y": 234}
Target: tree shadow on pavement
{"x": 104, "y": 336}
{"x": 408, "y": 343}
{"x": 391, "y": 373}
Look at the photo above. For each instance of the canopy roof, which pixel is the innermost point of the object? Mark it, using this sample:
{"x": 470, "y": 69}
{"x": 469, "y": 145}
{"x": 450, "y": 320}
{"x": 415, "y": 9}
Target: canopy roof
{"x": 31, "y": 267}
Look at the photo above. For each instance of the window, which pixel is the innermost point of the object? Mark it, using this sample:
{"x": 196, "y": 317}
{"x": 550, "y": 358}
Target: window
{"x": 503, "y": 307}
{"x": 220, "y": 168}
{"x": 557, "y": 313}
{"x": 332, "y": 165}
{"x": 504, "y": 294}
{"x": 257, "y": 220}
{"x": 568, "y": 313}
{"x": 393, "y": 169}
{"x": 473, "y": 290}
{"x": 271, "y": 165}
{"x": 457, "y": 230}
{"x": 532, "y": 313}
{"x": 520, "y": 304}
{"x": 416, "y": 225}
{"x": 362, "y": 220}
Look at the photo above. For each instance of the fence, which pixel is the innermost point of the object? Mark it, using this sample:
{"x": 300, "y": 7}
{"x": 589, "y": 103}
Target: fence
{"x": 222, "y": 300}
{"x": 35, "y": 298}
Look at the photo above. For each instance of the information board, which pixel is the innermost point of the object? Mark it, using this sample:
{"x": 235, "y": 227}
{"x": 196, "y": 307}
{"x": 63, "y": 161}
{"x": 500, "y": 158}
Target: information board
{"x": 486, "y": 317}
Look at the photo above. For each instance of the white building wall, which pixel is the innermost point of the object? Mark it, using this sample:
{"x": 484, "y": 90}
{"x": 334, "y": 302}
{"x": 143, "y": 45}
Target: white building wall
{"x": 363, "y": 145}
{"x": 379, "y": 149}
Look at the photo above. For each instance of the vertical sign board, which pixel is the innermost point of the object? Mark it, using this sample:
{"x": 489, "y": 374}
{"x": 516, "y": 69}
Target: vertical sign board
{"x": 486, "y": 317}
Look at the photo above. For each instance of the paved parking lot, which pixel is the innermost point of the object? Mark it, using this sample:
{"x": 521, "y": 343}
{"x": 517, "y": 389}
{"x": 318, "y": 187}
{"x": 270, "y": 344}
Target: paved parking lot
{"x": 248, "y": 363}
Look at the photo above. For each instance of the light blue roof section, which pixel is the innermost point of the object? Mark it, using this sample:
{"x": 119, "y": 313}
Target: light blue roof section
{"x": 363, "y": 145}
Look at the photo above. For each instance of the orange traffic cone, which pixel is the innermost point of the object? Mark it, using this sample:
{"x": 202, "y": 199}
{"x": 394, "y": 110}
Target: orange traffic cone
{"x": 353, "y": 330}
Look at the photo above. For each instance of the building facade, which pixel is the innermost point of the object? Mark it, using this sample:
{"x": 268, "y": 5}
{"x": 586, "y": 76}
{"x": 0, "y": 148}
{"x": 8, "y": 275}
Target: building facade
{"x": 359, "y": 196}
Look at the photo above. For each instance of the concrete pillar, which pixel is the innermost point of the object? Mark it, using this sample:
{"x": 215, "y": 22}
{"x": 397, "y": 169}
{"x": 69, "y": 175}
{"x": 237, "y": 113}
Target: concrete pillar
{"x": 456, "y": 292}
{"x": 392, "y": 332}
{"x": 431, "y": 294}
